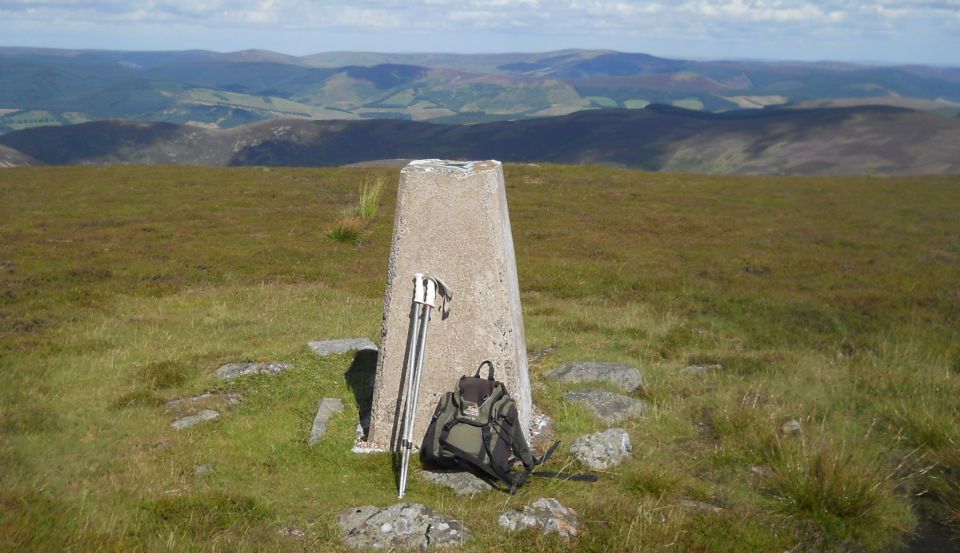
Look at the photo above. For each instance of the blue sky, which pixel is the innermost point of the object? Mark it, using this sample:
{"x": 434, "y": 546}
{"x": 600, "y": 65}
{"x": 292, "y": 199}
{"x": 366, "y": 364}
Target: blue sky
{"x": 892, "y": 31}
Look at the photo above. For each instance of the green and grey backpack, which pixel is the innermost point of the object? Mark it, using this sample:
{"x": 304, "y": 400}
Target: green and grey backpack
{"x": 476, "y": 426}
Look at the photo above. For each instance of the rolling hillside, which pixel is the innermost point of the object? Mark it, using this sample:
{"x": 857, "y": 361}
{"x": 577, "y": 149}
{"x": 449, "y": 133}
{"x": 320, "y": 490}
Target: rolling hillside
{"x": 12, "y": 158}
{"x": 60, "y": 87}
{"x": 838, "y": 141}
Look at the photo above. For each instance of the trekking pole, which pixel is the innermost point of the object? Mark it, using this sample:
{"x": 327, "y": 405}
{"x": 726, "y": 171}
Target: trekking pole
{"x": 426, "y": 290}
{"x": 413, "y": 344}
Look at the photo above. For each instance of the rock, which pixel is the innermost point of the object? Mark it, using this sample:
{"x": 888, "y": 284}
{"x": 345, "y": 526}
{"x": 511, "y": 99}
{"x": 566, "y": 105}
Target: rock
{"x": 542, "y": 431}
{"x": 236, "y": 370}
{"x": 547, "y": 514}
{"x": 462, "y": 482}
{"x": 609, "y": 407}
{"x": 203, "y": 401}
{"x": 400, "y": 526}
{"x": 701, "y": 370}
{"x": 699, "y": 506}
{"x": 200, "y": 470}
{"x": 336, "y": 347}
{"x": 625, "y": 377}
{"x": 326, "y": 408}
{"x": 187, "y": 422}
{"x": 790, "y": 427}
{"x": 602, "y": 450}
{"x": 293, "y": 533}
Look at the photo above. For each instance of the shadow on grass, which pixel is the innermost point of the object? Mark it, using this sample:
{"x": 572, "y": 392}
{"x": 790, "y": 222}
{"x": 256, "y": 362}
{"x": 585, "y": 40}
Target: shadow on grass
{"x": 360, "y": 376}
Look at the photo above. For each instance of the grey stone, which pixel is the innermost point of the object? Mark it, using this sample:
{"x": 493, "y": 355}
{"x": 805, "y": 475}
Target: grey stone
{"x": 699, "y": 506}
{"x": 200, "y": 470}
{"x": 625, "y": 377}
{"x": 336, "y": 347}
{"x": 542, "y": 430}
{"x": 236, "y": 370}
{"x": 188, "y": 421}
{"x": 462, "y": 482}
{"x": 326, "y": 408}
{"x": 602, "y": 450}
{"x": 609, "y": 407}
{"x": 208, "y": 399}
{"x": 399, "y": 526}
{"x": 790, "y": 427}
{"x": 700, "y": 370}
{"x": 546, "y": 514}
{"x": 293, "y": 533}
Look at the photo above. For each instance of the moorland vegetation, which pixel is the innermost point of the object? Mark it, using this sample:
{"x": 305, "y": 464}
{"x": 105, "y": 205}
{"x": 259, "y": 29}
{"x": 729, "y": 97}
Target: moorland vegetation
{"x": 833, "y": 302}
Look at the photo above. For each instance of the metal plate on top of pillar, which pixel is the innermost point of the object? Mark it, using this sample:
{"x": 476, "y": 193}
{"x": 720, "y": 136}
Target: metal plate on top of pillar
{"x": 451, "y": 223}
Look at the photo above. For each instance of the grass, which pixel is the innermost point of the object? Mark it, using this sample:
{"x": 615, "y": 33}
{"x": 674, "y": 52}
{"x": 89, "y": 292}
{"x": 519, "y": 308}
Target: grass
{"x": 351, "y": 227}
{"x": 831, "y": 301}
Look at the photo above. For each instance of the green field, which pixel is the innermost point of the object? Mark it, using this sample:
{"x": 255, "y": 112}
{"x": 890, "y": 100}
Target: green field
{"x": 835, "y": 302}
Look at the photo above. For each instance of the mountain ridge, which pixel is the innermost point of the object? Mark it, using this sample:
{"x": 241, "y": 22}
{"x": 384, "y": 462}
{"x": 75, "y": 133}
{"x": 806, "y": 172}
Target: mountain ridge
{"x": 61, "y": 87}
{"x": 820, "y": 141}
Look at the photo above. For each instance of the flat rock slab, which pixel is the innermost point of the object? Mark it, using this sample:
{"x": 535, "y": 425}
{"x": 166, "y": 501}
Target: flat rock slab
{"x": 337, "y": 347}
{"x": 195, "y": 404}
{"x": 547, "y": 514}
{"x": 187, "y": 422}
{"x": 602, "y": 450}
{"x": 607, "y": 406}
{"x": 400, "y": 526}
{"x": 462, "y": 482}
{"x": 236, "y": 370}
{"x": 625, "y": 377}
{"x": 701, "y": 371}
{"x": 326, "y": 408}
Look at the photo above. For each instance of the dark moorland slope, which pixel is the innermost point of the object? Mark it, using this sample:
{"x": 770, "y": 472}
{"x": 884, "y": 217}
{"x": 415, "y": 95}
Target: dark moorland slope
{"x": 837, "y": 141}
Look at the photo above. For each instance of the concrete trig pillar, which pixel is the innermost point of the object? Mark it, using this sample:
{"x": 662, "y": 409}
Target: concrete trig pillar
{"x": 451, "y": 222}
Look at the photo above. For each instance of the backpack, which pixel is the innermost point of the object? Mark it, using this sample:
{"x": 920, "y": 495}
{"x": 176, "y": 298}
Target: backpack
{"x": 477, "y": 426}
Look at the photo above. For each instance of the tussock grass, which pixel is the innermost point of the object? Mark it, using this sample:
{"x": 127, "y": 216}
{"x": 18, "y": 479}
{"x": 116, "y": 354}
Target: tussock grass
{"x": 828, "y": 301}
{"x": 371, "y": 190}
{"x": 843, "y": 492}
{"x": 356, "y": 219}
{"x": 348, "y": 229}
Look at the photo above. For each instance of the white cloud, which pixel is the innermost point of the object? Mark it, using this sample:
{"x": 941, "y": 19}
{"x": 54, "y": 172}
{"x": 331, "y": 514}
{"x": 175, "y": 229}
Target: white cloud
{"x": 586, "y": 21}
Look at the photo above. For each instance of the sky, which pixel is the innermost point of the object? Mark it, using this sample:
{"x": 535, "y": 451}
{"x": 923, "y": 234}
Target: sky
{"x": 879, "y": 31}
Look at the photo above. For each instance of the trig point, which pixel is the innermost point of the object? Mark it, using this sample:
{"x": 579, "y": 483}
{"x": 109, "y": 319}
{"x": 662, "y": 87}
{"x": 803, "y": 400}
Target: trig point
{"x": 451, "y": 223}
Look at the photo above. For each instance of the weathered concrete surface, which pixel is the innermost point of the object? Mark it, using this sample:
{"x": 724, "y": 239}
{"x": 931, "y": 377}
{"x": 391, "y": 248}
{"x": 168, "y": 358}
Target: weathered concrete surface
{"x": 326, "y": 408}
{"x": 452, "y": 222}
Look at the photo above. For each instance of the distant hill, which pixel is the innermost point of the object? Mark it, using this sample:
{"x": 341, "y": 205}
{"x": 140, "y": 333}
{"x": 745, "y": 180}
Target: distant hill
{"x": 40, "y": 87}
{"x": 838, "y": 141}
{"x": 12, "y": 158}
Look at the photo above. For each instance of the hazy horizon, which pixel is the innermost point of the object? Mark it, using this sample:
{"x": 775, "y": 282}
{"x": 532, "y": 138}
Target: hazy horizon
{"x": 857, "y": 31}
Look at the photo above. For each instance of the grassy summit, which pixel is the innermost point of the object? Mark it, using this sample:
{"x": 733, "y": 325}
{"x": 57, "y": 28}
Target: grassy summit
{"x": 832, "y": 302}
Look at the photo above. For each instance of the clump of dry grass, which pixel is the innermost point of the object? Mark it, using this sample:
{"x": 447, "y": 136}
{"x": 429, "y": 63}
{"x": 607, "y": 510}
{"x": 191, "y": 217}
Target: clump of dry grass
{"x": 355, "y": 220}
{"x": 847, "y": 494}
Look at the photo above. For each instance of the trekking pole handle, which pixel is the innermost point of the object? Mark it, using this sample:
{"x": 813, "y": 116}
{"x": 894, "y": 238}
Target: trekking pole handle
{"x": 419, "y": 288}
